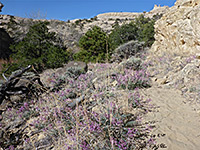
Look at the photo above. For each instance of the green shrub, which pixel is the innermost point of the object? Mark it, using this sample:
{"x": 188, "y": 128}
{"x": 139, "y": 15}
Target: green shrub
{"x": 77, "y": 22}
{"x": 145, "y": 30}
{"x": 93, "y": 46}
{"x": 141, "y": 29}
{"x": 122, "y": 34}
{"x": 126, "y": 50}
{"x": 38, "y": 48}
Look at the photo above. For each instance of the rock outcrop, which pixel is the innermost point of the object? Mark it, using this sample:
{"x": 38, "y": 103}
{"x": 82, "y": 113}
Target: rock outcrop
{"x": 175, "y": 54}
{"x": 178, "y": 31}
{"x": 129, "y": 16}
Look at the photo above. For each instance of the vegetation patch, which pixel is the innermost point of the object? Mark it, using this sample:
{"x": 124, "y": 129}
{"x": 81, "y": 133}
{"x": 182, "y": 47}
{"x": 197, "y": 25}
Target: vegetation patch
{"x": 93, "y": 46}
{"x": 38, "y": 48}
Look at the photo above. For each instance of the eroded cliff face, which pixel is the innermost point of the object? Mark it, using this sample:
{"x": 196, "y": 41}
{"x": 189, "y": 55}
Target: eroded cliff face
{"x": 175, "y": 54}
{"x": 178, "y": 31}
{"x": 131, "y": 15}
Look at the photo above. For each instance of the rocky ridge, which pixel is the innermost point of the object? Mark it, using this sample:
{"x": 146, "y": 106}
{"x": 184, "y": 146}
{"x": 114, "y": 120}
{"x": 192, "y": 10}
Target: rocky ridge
{"x": 71, "y": 30}
{"x": 127, "y": 15}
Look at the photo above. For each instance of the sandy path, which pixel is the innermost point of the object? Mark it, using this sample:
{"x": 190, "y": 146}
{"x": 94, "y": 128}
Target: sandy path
{"x": 175, "y": 118}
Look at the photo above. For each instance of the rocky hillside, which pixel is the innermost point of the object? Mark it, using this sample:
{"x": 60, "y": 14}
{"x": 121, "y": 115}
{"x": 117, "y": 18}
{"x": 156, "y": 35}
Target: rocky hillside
{"x": 178, "y": 31}
{"x": 174, "y": 70}
{"x": 71, "y": 30}
{"x": 97, "y": 106}
{"x": 176, "y": 49}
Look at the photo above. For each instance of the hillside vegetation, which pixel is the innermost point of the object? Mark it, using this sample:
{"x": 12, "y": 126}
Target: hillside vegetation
{"x": 44, "y": 50}
{"x": 122, "y": 85}
{"x": 78, "y": 107}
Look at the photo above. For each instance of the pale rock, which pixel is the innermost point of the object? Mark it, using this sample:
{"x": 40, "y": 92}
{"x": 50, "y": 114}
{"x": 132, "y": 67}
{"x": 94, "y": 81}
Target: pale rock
{"x": 163, "y": 80}
{"x": 178, "y": 31}
{"x": 132, "y": 15}
{"x": 198, "y": 55}
{"x": 114, "y": 84}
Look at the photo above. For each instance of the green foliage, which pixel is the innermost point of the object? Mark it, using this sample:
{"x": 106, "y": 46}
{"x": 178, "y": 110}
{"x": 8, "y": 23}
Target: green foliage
{"x": 38, "y": 48}
{"x": 141, "y": 29}
{"x": 93, "y": 46}
{"x": 95, "y": 43}
{"x": 77, "y": 22}
{"x": 122, "y": 34}
{"x": 94, "y": 18}
{"x": 145, "y": 30}
{"x": 86, "y": 56}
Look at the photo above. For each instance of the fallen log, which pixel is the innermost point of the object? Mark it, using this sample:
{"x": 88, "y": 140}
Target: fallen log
{"x": 18, "y": 83}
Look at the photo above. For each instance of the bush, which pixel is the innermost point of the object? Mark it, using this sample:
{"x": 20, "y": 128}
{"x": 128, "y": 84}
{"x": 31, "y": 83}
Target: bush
{"x": 93, "y": 46}
{"x": 127, "y": 50}
{"x": 145, "y": 30}
{"x": 38, "y": 48}
{"x": 142, "y": 29}
{"x": 133, "y": 62}
{"x": 122, "y": 34}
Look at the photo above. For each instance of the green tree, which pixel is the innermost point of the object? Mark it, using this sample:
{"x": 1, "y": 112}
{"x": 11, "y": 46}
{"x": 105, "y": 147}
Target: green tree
{"x": 145, "y": 30}
{"x": 147, "y": 33}
{"x": 122, "y": 34}
{"x": 141, "y": 29}
{"x": 93, "y": 45}
{"x": 38, "y": 48}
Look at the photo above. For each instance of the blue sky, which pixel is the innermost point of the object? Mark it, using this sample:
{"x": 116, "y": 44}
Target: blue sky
{"x": 73, "y": 9}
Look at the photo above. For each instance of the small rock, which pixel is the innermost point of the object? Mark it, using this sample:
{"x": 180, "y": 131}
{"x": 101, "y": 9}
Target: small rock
{"x": 15, "y": 98}
{"x": 163, "y": 80}
{"x": 114, "y": 83}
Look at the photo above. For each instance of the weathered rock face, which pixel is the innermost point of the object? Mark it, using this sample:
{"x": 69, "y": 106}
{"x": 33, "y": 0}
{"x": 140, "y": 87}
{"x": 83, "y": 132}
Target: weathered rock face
{"x": 175, "y": 54}
{"x": 178, "y": 31}
{"x": 128, "y": 15}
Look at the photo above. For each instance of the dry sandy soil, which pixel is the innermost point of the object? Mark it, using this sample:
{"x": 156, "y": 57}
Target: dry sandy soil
{"x": 174, "y": 118}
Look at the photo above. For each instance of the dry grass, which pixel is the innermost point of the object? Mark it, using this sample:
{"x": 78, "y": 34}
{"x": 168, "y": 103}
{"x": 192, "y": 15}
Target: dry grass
{"x": 108, "y": 118}
{"x": 3, "y": 61}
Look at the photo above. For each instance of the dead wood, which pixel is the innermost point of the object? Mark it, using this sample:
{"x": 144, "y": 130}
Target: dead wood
{"x": 20, "y": 82}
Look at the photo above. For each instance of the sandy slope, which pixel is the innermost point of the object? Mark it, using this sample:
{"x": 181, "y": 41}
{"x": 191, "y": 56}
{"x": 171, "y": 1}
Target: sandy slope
{"x": 175, "y": 118}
